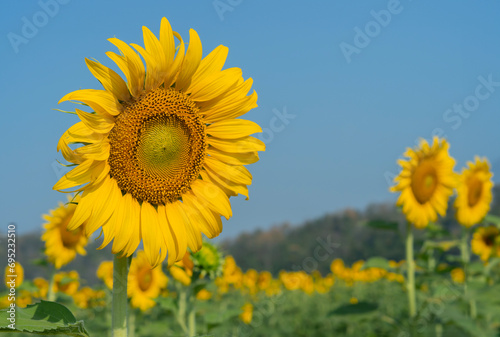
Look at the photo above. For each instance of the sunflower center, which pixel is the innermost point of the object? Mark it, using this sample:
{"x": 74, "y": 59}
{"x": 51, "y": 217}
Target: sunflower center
{"x": 424, "y": 182}
{"x": 145, "y": 278}
{"x": 157, "y": 146}
{"x": 475, "y": 187}
{"x": 489, "y": 240}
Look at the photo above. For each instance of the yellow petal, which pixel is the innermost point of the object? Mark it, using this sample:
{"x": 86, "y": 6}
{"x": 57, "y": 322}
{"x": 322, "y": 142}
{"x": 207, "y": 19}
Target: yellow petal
{"x": 151, "y": 233}
{"x": 212, "y": 63}
{"x": 213, "y": 197}
{"x": 130, "y": 230}
{"x": 109, "y": 79}
{"x": 194, "y": 240}
{"x": 168, "y": 238}
{"x": 214, "y": 85}
{"x": 233, "y": 128}
{"x": 210, "y": 223}
{"x": 236, "y": 174}
{"x": 95, "y": 122}
{"x": 108, "y": 197}
{"x": 101, "y": 101}
{"x": 80, "y": 175}
{"x": 135, "y": 67}
{"x": 177, "y": 228}
{"x": 191, "y": 61}
{"x": 239, "y": 145}
{"x": 244, "y": 158}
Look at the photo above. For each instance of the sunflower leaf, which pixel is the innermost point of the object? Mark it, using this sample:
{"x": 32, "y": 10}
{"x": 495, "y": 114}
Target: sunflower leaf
{"x": 44, "y": 318}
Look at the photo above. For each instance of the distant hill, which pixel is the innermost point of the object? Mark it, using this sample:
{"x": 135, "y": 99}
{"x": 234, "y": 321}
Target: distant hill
{"x": 287, "y": 247}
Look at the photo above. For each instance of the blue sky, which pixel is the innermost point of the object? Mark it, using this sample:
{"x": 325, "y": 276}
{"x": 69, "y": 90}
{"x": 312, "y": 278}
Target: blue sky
{"x": 340, "y": 94}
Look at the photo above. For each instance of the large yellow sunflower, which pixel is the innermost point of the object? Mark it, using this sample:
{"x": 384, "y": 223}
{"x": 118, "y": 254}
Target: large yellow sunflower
{"x": 426, "y": 182}
{"x": 144, "y": 283}
{"x": 486, "y": 242}
{"x": 61, "y": 244}
{"x": 163, "y": 150}
{"x": 474, "y": 192}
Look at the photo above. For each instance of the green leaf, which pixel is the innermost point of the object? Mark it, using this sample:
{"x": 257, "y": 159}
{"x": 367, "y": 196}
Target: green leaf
{"x": 376, "y": 262}
{"x": 382, "y": 224}
{"x": 492, "y": 219}
{"x": 44, "y": 318}
{"x": 354, "y": 309}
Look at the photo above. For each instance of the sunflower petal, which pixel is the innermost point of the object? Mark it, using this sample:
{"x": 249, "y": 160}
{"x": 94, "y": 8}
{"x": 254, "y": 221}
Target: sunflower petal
{"x": 109, "y": 79}
{"x": 191, "y": 61}
{"x": 233, "y": 128}
{"x": 213, "y": 197}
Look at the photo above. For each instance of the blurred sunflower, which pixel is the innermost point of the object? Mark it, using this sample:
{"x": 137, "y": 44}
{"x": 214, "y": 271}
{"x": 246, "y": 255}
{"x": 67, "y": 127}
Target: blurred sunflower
{"x": 247, "y": 314}
{"x": 42, "y": 286}
{"x": 474, "y": 192}
{"x": 203, "y": 295}
{"x": 144, "y": 283}
{"x": 163, "y": 151}
{"x": 485, "y": 242}
{"x": 426, "y": 182}
{"x": 16, "y": 273}
{"x": 182, "y": 271}
{"x": 105, "y": 273}
{"x": 457, "y": 275}
{"x": 61, "y": 244}
{"x": 67, "y": 282}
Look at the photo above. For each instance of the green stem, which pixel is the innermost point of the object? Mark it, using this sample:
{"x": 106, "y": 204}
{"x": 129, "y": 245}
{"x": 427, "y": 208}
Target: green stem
{"x": 119, "y": 305}
{"x": 131, "y": 323}
{"x": 51, "y": 296}
{"x": 410, "y": 263}
{"x": 181, "y": 314}
{"x": 465, "y": 254}
{"x": 192, "y": 323}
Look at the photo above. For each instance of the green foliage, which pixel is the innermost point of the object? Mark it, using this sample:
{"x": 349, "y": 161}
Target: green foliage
{"x": 45, "y": 318}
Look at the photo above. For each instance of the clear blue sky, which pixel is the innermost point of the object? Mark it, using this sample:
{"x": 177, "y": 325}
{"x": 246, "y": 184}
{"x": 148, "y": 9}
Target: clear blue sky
{"x": 358, "y": 99}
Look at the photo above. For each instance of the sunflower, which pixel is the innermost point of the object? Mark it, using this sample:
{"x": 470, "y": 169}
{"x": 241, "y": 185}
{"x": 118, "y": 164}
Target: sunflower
{"x": 485, "y": 242}
{"x": 182, "y": 271}
{"x": 426, "y": 182}
{"x": 67, "y": 282}
{"x": 105, "y": 273}
{"x": 61, "y": 244}
{"x": 163, "y": 151}
{"x": 144, "y": 283}
{"x": 42, "y": 287}
{"x": 247, "y": 313}
{"x": 457, "y": 275}
{"x": 474, "y": 192}
{"x": 15, "y": 273}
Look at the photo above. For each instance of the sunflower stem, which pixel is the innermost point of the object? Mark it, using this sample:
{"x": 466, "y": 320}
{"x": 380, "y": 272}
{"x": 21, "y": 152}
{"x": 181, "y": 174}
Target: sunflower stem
{"x": 51, "y": 296}
{"x": 192, "y": 322}
{"x": 410, "y": 263}
{"x": 119, "y": 305}
{"x": 465, "y": 254}
{"x": 181, "y": 314}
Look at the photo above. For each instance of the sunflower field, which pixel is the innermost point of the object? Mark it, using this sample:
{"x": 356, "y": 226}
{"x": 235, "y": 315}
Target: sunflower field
{"x": 153, "y": 161}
